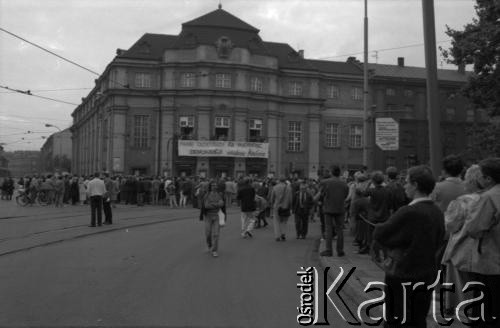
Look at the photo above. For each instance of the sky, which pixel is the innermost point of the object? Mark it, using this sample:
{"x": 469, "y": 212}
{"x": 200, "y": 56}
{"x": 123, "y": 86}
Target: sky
{"x": 88, "y": 32}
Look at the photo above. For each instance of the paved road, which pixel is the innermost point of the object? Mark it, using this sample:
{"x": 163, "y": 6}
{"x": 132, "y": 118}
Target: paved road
{"x": 154, "y": 274}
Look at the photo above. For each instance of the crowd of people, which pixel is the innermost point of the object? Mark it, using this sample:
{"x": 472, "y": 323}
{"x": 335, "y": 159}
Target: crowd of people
{"x": 408, "y": 222}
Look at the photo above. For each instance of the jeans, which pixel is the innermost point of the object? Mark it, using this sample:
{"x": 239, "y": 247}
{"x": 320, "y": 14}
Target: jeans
{"x": 95, "y": 210}
{"x": 301, "y": 222}
{"x": 212, "y": 229}
{"x": 247, "y": 222}
{"x": 334, "y": 220}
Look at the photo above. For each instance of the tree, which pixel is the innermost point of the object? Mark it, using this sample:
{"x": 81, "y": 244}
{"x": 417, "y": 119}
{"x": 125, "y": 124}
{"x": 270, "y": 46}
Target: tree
{"x": 478, "y": 44}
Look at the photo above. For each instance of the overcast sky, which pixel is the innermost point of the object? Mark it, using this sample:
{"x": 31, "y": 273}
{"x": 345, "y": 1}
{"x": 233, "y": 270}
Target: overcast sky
{"x": 89, "y": 32}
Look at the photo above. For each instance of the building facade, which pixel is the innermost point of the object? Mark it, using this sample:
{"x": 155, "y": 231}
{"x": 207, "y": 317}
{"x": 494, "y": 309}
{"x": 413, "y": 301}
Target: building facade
{"x": 218, "y": 81}
{"x": 23, "y": 162}
{"x": 56, "y": 152}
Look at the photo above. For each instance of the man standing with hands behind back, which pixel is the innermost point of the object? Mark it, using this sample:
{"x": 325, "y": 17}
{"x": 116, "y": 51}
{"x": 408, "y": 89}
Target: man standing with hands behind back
{"x": 95, "y": 190}
{"x": 334, "y": 192}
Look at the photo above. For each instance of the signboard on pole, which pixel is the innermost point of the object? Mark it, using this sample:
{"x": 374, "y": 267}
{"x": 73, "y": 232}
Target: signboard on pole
{"x": 387, "y": 133}
{"x": 214, "y": 148}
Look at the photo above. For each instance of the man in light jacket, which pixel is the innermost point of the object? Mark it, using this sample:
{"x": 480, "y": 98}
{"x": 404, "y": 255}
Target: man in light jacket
{"x": 281, "y": 197}
{"x": 96, "y": 190}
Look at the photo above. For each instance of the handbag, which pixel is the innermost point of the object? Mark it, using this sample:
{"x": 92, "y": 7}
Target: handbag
{"x": 222, "y": 218}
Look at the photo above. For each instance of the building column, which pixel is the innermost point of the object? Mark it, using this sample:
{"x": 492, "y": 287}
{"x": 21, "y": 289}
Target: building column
{"x": 274, "y": 139}
{"x": 204, "y": 129}
{"x": 240, "y": 134}
{"x": 167, "y": 140}
{"x": 119, "y": 120}
{"x": 313, "y": 146}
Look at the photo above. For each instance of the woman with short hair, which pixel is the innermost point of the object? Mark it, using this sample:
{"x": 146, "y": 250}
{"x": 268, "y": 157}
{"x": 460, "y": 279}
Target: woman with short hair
{"x": 212, "y": 203}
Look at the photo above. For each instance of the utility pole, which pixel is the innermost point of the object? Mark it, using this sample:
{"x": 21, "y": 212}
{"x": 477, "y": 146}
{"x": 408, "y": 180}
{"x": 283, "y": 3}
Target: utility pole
{"x": 365, "y": 89}
{"x": 433, "y": 111}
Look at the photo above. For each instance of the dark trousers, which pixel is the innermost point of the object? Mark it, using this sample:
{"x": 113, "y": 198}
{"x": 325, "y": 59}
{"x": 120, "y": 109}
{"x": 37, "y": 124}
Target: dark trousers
{"x": 334, "y": 221}
{"x": 261, "y": 219}
{"x": 418, "y": 302}
{"x": 301, "y": 222}
{"x": 95, "y": 209}
{"x": 108, "y": 214}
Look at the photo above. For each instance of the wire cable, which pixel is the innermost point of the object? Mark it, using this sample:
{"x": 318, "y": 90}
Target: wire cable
{"x": 380, "y": 50}
{"x": 51, "y": 90}
{"x": 28, "y": 92}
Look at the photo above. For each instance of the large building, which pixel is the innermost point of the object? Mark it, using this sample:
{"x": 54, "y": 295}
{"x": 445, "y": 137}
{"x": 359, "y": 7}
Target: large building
{"x": 218, "y": 100}
{"x": 56, "y": 152}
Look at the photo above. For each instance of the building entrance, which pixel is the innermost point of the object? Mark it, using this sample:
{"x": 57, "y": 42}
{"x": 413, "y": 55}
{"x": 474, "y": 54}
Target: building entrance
{"x": 221, "y": 167}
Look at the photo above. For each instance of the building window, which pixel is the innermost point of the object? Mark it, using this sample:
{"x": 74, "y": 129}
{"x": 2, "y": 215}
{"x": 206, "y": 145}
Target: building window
{"x": 222, "y": 125}
{"x": 391, "y": 107}
{"x": 143, "y": 80}
{"x": 188, "y": 80}
{"x": 356, "y": 136}
{"x": 223, "y": 80}
{"x": 186, "y": 124}
{"x": 333, "y": 92}
{"x": 356, "y": 93}
{"x": 450, "y": 114}
{"x": 332, "y": 135}
{"x": 256, "y": 84}
{"x": 255, "y": 129}
{"x": 294, "y": 136}
{"x": 470, "y": 115}
{"x": 141, "y": 131}
{"x": 390, "y": 92}
{"x": 409, "y": 108}
{"x": 408, "y": 93}
{"x": 105, "y": 130}
{"x": 295, "y": 89}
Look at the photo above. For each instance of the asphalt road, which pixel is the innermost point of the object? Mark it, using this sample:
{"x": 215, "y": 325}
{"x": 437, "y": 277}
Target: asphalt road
{"x": 154, "y": 275}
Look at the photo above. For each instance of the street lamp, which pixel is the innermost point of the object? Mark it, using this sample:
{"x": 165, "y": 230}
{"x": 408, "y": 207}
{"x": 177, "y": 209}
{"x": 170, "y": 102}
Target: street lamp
{"x": 48, "y": 125}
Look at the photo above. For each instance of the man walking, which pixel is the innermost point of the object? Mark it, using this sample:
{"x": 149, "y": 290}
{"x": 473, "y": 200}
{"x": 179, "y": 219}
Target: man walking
{"x": 333, "y": 191}
{"x": 302, "y": 204}
{"x": 96, "y": 189}
{"x": 246, "y": 196}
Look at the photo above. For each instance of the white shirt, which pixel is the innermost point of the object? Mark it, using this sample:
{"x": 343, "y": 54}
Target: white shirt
{"x": 418, "y": 200}
{"x": 96, "y": 187}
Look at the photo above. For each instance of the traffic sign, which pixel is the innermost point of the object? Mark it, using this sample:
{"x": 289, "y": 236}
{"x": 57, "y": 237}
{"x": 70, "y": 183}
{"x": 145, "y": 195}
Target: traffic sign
{"x": 387, "y": 133}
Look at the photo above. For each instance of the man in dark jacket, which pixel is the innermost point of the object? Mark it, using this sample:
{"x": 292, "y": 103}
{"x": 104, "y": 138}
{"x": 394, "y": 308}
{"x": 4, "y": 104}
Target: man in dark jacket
{"x": 334, "y": 192}
{"x": 246, "y": 196}
{"x": 302, "y": 204}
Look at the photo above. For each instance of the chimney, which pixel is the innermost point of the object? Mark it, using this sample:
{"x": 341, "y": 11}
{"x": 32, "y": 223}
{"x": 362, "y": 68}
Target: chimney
{"x": 401, "y": 61}
{"x": 351, "y": 59}
{"x": 301, "y": 53}
{"x": 119, "y": 51}
{"x": 461, "y": 68}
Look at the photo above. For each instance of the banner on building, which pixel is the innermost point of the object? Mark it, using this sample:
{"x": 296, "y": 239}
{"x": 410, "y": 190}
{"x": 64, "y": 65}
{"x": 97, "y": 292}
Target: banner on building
{"x": 214, "y": 148}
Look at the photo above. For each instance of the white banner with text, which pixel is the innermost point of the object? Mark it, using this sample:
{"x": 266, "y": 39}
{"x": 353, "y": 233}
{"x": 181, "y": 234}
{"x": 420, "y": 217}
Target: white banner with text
{"x": 214, "y": 148}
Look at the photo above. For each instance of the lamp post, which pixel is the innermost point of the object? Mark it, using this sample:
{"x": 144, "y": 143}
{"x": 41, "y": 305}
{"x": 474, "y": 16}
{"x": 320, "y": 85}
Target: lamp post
{"x": 48, "y": 125}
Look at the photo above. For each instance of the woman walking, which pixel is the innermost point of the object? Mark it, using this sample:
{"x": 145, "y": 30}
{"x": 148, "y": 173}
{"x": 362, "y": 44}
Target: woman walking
{"x": 212, "y": 203}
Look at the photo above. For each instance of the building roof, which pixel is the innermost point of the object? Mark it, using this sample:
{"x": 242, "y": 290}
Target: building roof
{"x": 335, "y": 67}
{"x": 220, "y": 18}
{"x": 409, "y": 72}
{"x": 150, "y": 46}
{"x": 287, "y": 56}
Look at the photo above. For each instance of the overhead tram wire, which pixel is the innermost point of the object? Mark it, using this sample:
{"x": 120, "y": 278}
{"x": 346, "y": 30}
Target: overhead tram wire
{"x": 51, "y": 90}
{"x": 28, "y": 93}
{"x": 58, "y": 56}
{"x": 380, "y": 50}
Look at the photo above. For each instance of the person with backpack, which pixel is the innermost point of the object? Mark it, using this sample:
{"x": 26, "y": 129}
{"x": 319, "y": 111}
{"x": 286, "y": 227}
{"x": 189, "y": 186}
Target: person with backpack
{"x": 212, "y": 203}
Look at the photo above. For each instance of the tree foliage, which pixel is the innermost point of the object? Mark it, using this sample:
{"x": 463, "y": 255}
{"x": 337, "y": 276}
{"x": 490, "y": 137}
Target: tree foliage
{"x": 478, "y": 44}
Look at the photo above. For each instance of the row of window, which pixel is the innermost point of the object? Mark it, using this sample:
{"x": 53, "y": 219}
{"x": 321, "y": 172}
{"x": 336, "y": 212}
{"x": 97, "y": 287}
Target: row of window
{"x": 391, "y": 92}
{"x": 223, "y": 123}
{"x": 224, "y": 81}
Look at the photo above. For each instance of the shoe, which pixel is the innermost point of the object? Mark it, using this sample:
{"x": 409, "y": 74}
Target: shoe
{"x": 265, "y": 225}
{"x": 244, "y": 235}
{"x": 249, "y": 234}
{"x": 326, "y": 253}
{"x": 214, "y": 254}
{"x": 341, "y": 254}
{"x": 92, "y": 226}
{"x": 283, "y": 237}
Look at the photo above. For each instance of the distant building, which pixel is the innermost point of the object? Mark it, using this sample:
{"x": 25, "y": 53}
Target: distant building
{"x": 56, "y": 152}
{"x": 23, "y": 162}
{"x": 172, "y": 104}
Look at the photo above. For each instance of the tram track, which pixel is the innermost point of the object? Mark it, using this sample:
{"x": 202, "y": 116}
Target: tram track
{"x": 86, "y": 234}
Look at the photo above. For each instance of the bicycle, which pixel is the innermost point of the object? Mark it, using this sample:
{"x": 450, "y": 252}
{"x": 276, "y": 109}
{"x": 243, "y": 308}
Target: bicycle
{"x": 23, "y": 198}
